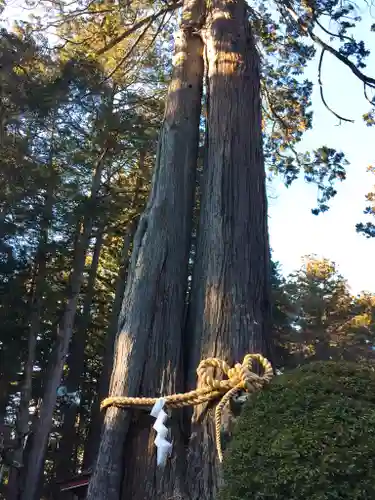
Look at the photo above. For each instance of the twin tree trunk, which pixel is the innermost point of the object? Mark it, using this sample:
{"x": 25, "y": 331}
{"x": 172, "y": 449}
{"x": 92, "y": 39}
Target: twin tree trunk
{"x": 229, "y": 300}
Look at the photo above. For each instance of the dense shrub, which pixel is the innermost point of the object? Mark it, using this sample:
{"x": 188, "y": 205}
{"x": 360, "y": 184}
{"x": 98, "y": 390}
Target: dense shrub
{"x": 309, "y": 436}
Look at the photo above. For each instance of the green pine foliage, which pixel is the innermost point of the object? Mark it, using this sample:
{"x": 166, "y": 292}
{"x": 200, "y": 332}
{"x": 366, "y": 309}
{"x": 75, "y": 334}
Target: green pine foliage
{"x": 309, "y": 435}
{"x": 316, "y": 317}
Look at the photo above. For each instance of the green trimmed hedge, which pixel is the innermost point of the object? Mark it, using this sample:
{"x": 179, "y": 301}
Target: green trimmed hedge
{"x": 310, "y": 435}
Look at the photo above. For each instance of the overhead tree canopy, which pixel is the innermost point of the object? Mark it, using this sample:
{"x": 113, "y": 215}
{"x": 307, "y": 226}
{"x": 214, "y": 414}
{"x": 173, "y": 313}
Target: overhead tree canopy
{"x": 288, "y": 35}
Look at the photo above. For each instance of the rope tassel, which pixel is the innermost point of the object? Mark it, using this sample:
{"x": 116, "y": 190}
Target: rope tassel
{"x": 239, "y": 378}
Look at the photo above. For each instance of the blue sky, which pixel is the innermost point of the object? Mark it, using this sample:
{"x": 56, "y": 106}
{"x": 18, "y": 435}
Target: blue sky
{"x": 294, "y": 231}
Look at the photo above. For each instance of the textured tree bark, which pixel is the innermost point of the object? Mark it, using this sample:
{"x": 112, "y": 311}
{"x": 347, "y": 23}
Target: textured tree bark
{"x": 230, "y": 291}
{"x": 148, "y": 348}
{"x": 76, "y": 362}
{"x": 64, "y": 334}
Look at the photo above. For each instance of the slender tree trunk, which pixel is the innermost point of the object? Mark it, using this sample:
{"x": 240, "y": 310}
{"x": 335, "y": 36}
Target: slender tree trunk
{"x": 22, "y": 426}
{"x": 228, "y": 316}
{"x": 64, "y": 334}
{"x": 97, "y": 416}
{"x": 148, "y": 348}
{"x": 76, "y": 363}
{"x": 23, "y": 417}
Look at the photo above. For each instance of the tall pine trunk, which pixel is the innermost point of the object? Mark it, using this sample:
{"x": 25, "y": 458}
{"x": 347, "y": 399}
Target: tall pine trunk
{"x": 230, "y": 292}
{"x": 65, "y": 329}
{"x": 37, "y": 299}
{"x": 23, "y": 417}
{"x": 148, "y": 347}
{"x": 65, "y": 457}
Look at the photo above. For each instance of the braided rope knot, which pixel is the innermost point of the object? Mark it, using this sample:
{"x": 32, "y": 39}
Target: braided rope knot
{"x": 239, "y": 377}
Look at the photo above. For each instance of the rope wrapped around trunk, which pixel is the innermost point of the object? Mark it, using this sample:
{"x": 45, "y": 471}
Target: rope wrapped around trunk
{"x": 240, "y": 377}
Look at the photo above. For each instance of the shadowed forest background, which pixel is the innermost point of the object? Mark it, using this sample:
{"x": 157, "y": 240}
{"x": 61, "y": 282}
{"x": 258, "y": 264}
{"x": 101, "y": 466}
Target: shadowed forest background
{"x": 79, "y": 124}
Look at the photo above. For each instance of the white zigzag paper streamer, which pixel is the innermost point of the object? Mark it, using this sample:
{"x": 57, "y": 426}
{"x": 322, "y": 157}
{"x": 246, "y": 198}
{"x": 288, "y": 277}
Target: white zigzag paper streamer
{"x": 163, "y": 446}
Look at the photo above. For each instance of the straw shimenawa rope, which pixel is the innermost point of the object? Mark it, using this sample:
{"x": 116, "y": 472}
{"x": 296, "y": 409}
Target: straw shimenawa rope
{"x": 239, "y": 378}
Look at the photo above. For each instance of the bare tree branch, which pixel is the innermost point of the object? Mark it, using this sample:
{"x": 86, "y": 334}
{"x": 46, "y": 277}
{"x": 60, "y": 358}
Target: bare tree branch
{"x": 138, "y": 25}
{"x": 158, "y": 31}
{"x": 341, "y": 37}
{"x": 130, "y": 51}
{"x": 366, "y": 95}
{"x": 341, "y": 118}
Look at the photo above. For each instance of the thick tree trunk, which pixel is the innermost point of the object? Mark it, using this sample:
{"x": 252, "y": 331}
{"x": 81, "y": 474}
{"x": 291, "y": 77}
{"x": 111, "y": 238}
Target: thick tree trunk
{"x": 228, "y": 316}
{"x": 148, "y": 348}
{"x": 76, "y": 362}
{"x": 93, "y": 440}
{"x": 64, "y": 334}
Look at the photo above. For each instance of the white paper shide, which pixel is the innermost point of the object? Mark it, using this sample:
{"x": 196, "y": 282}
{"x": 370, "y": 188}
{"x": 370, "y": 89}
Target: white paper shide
{"x": 163, "y": 446}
